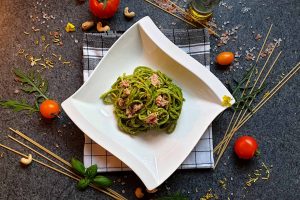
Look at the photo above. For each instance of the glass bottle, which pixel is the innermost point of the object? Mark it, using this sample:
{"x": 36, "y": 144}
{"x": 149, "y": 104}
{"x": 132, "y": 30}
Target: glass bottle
{"x": 202, "y": 9}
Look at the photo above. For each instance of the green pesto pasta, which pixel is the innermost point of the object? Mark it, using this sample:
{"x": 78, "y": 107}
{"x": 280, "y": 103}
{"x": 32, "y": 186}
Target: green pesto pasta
{"x": 145, "y": 100}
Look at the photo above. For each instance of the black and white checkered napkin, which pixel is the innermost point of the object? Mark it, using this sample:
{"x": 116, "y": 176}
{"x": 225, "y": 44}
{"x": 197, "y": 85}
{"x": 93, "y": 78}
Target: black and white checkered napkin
{"x": 194, "y": 42}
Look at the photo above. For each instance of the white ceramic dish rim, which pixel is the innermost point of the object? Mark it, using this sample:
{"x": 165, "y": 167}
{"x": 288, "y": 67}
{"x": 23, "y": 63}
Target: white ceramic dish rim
{"x": 212, "y": 82}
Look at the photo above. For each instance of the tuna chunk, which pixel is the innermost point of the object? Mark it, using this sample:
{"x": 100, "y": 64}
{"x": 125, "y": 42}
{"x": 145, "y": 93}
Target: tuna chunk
{"x": 137, "y": 107}
{"x": 161, "y": 101}
{"x": 126, "y": 92}
{"x": 121, "y": 102}
{"x": 133, "y": 109}
{"x": 154, "y": 80}
{"x": 152, "y": 119}
{"x": 124, "y": 83}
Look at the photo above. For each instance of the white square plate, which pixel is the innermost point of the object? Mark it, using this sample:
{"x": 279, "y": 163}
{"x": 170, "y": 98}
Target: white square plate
{"x": 152, "y": 156}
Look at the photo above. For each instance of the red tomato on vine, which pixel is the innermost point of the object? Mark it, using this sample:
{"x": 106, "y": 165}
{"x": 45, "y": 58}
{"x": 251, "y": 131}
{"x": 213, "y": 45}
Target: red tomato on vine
{"x": 104, "y": 8}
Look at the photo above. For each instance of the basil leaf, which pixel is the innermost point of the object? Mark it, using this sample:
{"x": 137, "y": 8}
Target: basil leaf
{"x": 83, "y": 183}
{"x": 91, "y": 172}
{"x": 78, "y": 166}
{"x": 102, "y": 181}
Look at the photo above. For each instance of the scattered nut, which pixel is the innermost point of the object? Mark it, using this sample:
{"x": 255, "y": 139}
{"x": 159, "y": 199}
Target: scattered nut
{"x": 87, "y": 25}
{"x": 26, "y": 161}
{"x": 139, "y": 193}
{"x": 128, "y": 14}
{"x": 102, "y": 29}
{"x": 152, "y": 191}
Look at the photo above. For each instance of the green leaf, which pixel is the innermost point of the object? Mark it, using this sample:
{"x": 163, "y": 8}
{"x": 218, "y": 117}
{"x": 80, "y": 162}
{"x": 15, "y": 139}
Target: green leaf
{"x": 247, "y": 76}
{"x": 17, "y": 106}
{"x": 78, "y": 166}
{"x": 33, "y": 82}
{"x": 102, "y": 181}
{"x": 83, "y": 183}
{"x": 91, "y": 171}
{"x": 28, "y": 90}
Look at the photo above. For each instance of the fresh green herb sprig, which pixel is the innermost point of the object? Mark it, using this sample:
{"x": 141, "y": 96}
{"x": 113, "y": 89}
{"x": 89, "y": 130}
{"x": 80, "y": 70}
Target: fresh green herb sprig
{"x": 90, "y": 175}
{"x": 17, "y": 106}
{"x": 242, "y": 101}
{"x": 32, "y": 83}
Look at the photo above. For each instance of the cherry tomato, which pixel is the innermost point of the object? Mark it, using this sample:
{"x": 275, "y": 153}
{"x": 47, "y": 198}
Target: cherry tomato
{"x": 225, "y": 58}
{"x": 104, "y": 8}
{"x": 245, "y": 147}
{"x": 49, "y": 109}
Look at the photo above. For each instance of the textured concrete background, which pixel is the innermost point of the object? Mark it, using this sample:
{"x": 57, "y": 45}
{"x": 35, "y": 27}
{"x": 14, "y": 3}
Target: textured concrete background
{"x": 276, "y": 126}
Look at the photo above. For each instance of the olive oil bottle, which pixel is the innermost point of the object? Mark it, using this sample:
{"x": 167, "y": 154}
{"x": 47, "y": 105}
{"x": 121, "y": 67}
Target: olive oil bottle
{"x": 202, "y": 9}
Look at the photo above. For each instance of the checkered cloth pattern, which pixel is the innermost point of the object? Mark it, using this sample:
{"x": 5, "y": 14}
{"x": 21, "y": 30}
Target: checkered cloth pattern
{"x": 194, "y": 42}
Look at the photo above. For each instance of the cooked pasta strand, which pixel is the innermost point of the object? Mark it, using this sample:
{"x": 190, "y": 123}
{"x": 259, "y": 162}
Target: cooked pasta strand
{"x": 145, "y": 100}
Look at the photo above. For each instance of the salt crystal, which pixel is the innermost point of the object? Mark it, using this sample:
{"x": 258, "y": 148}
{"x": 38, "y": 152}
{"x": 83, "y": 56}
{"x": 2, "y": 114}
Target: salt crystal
{"x": 245, "y": 9}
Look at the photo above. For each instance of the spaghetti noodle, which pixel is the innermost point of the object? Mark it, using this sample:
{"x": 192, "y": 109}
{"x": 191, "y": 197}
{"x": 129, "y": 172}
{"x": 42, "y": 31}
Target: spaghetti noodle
{"x": 145, "y": 100}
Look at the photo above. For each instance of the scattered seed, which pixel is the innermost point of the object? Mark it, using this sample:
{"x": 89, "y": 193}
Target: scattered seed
{"x": 267, "y": 171}
{"x": 42, "y": 64}
{"x": 21, "y": 51}
{"x": 49, "y": 62}
{"x": 35, "y": 29}
{"x": 209, "y": 195}
{"x": 223, "y": 183}
{"x": 45, "y": 48}
{"x": 43, "y": 38}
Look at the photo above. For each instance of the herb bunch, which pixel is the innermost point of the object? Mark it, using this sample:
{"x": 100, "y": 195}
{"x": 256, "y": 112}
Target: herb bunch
{"x": 89, "y": 175}
{"x": 32, "y": 83}
{"x": 242, "y": 86}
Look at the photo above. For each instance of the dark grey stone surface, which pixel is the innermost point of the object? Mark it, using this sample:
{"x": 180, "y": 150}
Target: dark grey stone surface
{"x": 276, "y": 126}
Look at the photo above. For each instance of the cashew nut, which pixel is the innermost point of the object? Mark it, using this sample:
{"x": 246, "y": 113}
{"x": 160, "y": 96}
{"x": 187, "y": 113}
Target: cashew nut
{"x": 87, "y": 25}
{"x": 101, "y": 28}
{"x": 128, "y": 14}
{"x": 26, "y": 161}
